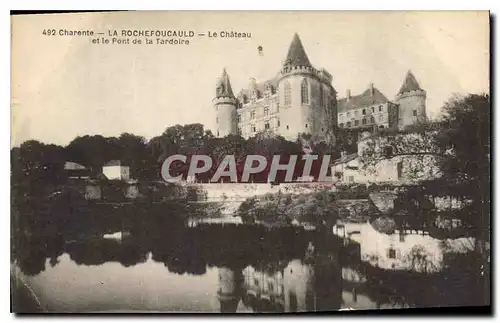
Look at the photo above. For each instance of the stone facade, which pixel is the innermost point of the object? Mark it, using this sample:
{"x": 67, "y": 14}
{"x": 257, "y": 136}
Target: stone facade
{"x": 301, "y": 99}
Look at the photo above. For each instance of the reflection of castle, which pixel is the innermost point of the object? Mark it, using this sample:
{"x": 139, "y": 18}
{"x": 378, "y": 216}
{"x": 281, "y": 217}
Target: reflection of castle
{"x": 298, "y": 287}
{"x": 229, "y": 293}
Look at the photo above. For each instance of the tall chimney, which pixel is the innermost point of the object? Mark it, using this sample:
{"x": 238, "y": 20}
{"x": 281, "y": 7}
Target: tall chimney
{"x": 348, "y": 94}
{"x": 372, "y": 89}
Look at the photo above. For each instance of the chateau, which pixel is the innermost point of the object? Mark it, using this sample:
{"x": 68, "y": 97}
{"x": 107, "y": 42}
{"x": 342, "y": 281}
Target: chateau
{"x": 301, "y": 99}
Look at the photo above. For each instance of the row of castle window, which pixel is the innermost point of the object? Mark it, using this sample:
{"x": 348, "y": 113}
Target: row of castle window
{"x": 253, "y": 128}
{"x": 363, "y": 112}
{"x": 364, "y": 121}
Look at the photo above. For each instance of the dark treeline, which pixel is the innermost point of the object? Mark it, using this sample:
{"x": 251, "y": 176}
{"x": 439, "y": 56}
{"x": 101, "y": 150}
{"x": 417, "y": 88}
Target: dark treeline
{"x": 35, "y": 164}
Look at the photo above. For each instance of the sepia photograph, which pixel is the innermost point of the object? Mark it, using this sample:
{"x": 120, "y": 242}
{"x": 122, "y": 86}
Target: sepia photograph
{"x": 250, "y": 162}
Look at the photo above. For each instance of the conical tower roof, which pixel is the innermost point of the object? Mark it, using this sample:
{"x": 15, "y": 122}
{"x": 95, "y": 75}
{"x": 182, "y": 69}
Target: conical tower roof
{"x": 296, "y": 53}
{"x": 224, "y": 86}
{"x": 410, "y": 83}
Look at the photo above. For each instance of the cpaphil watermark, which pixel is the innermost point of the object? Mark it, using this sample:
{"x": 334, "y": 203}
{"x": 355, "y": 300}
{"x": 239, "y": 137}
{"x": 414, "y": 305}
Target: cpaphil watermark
{"x": 251, "y": 168}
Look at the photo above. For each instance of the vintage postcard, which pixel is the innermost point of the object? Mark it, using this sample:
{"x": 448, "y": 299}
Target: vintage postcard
{"x": 250, "y": 162}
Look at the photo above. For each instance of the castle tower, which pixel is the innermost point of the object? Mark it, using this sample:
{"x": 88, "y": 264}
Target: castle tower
{"x": 411, "y": 100}
{"x": 225, "y": 107}
{"x": 229, "y": 293}
{"x": 306, "y": 96}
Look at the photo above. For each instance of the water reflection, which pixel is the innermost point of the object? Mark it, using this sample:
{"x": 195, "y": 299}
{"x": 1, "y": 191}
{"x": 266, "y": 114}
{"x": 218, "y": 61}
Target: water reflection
{"x": 157, "y": 263}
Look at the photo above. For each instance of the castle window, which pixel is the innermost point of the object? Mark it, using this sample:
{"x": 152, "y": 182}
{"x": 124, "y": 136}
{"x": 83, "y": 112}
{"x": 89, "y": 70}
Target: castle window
{"x": 356, "y": 122}
{"x": 287, "y": 127}
{"x": 364, "y": 121}
{"x": 253, "y": 128}
{"x": 414, "y": 113}
{"x": 373, "y": 109}
{"x": 304, "y": 92}
{"x": 266, "y": 111}
{"x": 348, "y": 124}
{"x": 400, "y": 169}
{"x": 322, "y": 129}
{"x": 372, "y": 119}
{"x": 278, "y": 122}
{"x": 321, "y": 95}
{"x": 252, "y": 114}
{"x": 288, "y": 94}
{"x": 306, "y": 125}
{"x": 364, "y": 111}
{"x": 341, "y": 125}
{"x": 391, "y": 253}
{"x": 266, "y": 125}
{"x": 379, "y": 108}
{"x": 380, "y": 118}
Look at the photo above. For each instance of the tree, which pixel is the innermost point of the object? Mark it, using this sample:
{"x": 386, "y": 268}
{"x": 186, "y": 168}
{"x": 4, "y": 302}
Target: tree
{"x": 460, "y": 141}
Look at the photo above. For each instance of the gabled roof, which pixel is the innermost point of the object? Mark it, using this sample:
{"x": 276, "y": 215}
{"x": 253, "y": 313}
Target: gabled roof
{"x": 113, "y": 163}
{"x": 224, "y": 86}
{"x": 410, "y": 83}
{"x": 345, "y": 159}
{"x": 296, "y": 53}
{"x": 364, "y": 99}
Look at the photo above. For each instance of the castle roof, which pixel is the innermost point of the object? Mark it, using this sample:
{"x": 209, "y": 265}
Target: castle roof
{"x": 261, "y": 87}
{"x": 364, "y": 99}
{"x": 224, "y": 86}
{"x": 410, "y": 83}
{"x": 296, "y": 53}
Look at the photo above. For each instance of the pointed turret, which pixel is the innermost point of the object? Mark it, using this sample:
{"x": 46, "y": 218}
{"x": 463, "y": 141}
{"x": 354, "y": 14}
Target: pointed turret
{"x": 410, "y": 84}
{"x": 296, "y": 53}
{"x": 224, "y": 86}
{"x": 411, "y": 100}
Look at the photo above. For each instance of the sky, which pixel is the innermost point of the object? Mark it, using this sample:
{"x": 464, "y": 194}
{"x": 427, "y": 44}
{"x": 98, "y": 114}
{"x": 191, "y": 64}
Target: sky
{"x": 65, "y": 86}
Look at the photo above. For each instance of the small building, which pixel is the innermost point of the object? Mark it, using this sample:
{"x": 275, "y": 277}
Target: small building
{"x": 115, "y": 170}
{"x": 75, "y": 170}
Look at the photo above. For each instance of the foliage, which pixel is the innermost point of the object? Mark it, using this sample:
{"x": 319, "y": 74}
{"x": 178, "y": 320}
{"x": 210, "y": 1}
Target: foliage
{"x": 314, "y": 208}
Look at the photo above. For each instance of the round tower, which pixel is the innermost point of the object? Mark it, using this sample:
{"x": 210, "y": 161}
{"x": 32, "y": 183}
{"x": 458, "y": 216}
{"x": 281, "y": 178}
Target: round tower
{"x": 229, "y": 289}
{"x": 411, "y": 100}
{"x": 305, "y": 95}
{"x": 225, "y": 104}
